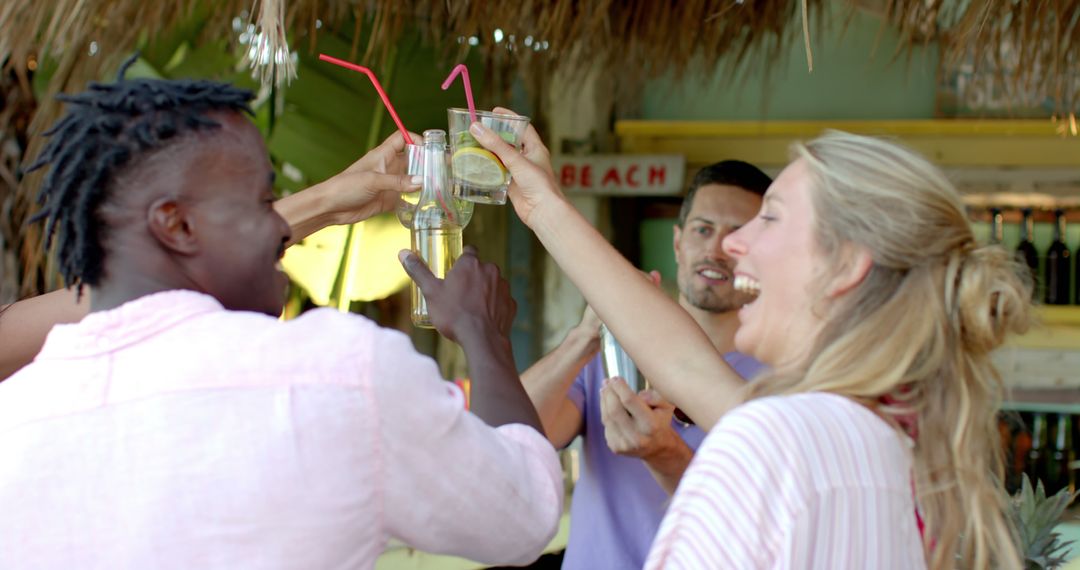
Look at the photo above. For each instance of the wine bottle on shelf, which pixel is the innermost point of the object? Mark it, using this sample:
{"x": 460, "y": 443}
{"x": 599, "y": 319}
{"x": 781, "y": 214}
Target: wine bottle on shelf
{"x": 1059, "y": 456}
{"x": 1058, "y": 271}
{"x": 1026, "y": 251}
{"x": 1007, "y": 432}
{"x": 1077, "y": 280}
{"x": 1021, "y": 447}
{"x": 997, "y": 226}
{"x": 1035, "y": 466}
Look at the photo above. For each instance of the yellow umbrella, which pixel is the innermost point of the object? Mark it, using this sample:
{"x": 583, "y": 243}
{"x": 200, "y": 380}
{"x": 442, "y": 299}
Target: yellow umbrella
{"x": 371, "y": 268}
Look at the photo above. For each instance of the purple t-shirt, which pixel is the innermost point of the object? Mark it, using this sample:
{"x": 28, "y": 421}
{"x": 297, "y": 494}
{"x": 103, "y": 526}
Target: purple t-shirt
{"x": 617, "y": 505}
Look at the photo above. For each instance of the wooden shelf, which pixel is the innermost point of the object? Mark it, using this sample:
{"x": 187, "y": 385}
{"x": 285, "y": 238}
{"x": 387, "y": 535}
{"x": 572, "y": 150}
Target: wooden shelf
{"x": 950, "y": 143}
{"x": 1056, "y": 328}
{"x": 1068, "y": 315}
{"x": 1051, "y": 401}
{"x": 1042, "y": 367}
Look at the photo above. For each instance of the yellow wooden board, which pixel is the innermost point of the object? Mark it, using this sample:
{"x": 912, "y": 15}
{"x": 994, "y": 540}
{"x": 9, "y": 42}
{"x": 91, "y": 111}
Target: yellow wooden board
{"x": 1057, "y": 328}
{"x": 1059, "y": 315}
{"x": 935, "y": 127}
{"x": 975, "y": 143}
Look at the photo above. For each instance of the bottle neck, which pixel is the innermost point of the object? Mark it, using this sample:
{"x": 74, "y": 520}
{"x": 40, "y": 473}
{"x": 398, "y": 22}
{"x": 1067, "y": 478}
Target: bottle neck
{"x": 997, "y": 231}
{"x": 435, "y": 208}
{"x": 1028, "y": 227}
{"x": 1064, "y": 433}
{"x": 1038, "y": 430}
{"x": 1059, "y": 226}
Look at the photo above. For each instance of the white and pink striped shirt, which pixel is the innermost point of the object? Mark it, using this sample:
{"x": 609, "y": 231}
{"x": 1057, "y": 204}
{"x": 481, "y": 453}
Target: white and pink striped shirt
{"x": 803, "y": 481}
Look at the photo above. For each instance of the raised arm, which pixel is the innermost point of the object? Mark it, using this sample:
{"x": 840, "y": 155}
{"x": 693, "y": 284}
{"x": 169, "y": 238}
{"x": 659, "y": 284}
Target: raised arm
{"x": 368, "y": 187}
{"x": 666, "y": 344}
{"x": 455, "y": 485}
{"x": 473, "y": 308}
{"x": 548, "y": 381}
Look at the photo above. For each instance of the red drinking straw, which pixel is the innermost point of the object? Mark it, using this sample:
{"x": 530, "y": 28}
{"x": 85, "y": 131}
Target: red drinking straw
{"x": 464, "y": 72}
{"x": 382, "y": 93}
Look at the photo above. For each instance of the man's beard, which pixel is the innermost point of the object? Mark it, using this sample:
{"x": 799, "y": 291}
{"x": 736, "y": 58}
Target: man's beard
{"x": 710, "y": 301}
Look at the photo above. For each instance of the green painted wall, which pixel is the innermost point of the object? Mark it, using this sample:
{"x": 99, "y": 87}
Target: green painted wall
{"x": 657, "y": 252}
{"x": 851, "y": 80}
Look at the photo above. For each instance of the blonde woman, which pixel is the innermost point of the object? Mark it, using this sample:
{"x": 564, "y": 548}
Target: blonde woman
{"x": 872, "y": 442}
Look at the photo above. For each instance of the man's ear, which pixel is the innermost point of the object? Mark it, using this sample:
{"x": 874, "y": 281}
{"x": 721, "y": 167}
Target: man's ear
{"x": 850, "y": 272}
{"x": 170, "y": 223}
{"x": 676, "y": 233}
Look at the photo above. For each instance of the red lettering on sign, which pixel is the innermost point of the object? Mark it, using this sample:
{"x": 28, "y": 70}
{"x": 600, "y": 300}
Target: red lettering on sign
{"x": 567, "y": 175}
{"x": 612, "y": 175}
{"x": 586, "y": 176}
{"x": 657, "y": 174}
{"x": 631, "y": 180}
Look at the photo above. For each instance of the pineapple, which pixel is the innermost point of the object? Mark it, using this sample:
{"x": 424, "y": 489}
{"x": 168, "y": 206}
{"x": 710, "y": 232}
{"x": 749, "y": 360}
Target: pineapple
{"x": 1034, "y": 515}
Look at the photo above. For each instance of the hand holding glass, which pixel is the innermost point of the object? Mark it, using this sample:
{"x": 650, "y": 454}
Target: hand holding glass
{"x": 477, "y": 174}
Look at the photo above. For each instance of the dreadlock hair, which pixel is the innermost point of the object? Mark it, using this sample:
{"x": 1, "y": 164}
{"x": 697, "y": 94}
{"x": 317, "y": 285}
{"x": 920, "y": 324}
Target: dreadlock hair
{"x": 107, "y": 128}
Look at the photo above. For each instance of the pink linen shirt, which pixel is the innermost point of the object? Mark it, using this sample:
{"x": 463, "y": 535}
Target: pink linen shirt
{"x": 789, "y": 482}
{"x": 171, "y": 433}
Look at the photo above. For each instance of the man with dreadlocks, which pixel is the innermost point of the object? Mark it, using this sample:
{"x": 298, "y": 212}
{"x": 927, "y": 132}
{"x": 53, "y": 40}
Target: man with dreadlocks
{"x": 181, "y": 425}
{"x": 367, "y": 187}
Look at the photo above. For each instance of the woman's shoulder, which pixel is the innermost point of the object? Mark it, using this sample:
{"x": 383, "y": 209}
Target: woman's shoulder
{"x": 811, "y": 410}
{"x": 826, "y": 437}
{"x": 814, "y": 412}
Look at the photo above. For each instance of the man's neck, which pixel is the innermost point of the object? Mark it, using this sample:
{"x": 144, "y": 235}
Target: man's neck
{"x": 719, "y": 327}
{"x": 110, "y": 296}
{"x": 132, "y": 284}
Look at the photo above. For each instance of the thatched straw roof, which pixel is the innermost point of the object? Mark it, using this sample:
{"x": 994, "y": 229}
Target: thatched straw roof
{"x": 631, "y": 39}
{"x": 629, "y": 36}
{"x": 1036, "y": 40}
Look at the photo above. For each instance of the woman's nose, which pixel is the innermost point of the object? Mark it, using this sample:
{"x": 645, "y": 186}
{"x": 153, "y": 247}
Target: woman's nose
{"x": 734, "y": 244}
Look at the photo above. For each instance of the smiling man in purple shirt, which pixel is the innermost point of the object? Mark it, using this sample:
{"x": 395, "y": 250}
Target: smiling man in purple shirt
{"x": 635, "y": 448}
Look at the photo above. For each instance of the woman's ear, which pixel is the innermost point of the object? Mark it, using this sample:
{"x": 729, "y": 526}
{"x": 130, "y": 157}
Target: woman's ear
{"x": 854, "y": 265}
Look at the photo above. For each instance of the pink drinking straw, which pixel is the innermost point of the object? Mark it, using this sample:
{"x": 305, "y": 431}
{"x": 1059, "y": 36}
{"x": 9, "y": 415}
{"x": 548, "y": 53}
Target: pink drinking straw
{"x": 379, "y": 89}
{"x": 464, "y": 72}
{"x": 389, "y": 107}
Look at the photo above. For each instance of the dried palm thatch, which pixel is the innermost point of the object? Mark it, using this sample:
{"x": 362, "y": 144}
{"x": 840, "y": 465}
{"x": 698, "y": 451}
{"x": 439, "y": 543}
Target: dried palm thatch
{"x": 16, "y": 109}
{"x": 1034, "y": 45}
{"x": 628, "y": 36}
{"x": 632, "y": 39}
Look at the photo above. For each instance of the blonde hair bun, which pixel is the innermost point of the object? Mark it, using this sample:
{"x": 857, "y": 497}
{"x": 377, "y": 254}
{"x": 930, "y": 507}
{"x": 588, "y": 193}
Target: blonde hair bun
{"x": 989, "y": 298}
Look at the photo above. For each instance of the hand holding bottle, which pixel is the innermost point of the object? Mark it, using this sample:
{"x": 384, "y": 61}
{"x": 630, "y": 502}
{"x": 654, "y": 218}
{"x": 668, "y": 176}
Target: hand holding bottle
{"x": 472, "y": 306}
{"x": 472, "y": 300}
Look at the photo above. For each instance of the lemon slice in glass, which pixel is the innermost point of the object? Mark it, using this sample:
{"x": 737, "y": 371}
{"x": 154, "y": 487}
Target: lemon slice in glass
{"x": 478, "y": 166}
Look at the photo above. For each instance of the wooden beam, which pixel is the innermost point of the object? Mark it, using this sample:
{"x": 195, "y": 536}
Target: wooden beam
{"x": 949, "y": 143}
{"x": 937, "y": 127}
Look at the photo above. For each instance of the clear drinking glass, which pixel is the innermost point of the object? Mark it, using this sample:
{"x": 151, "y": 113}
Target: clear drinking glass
{"x": 476, "y": 173}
